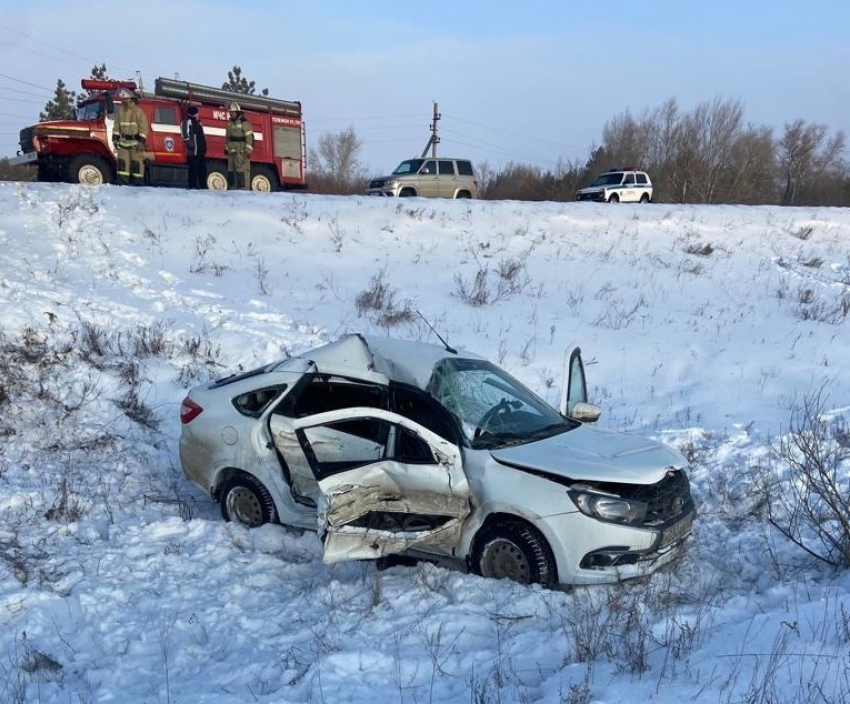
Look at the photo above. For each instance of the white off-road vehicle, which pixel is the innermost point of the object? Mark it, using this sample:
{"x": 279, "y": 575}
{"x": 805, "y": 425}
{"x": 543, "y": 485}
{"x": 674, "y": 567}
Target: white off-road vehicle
{"x": 619, "y": 186}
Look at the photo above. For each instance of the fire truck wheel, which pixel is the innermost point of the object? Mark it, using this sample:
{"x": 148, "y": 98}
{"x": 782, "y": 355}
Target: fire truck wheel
{"x": 263, "y": 180}
{"x": 216, "y": 179}
{"x": 89, "y": 169}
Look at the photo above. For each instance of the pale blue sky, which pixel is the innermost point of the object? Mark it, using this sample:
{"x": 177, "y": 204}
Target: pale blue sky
{"x": 525, "y": 82}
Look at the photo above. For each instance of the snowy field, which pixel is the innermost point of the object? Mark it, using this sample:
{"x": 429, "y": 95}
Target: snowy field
{"x": 705, "y": 326}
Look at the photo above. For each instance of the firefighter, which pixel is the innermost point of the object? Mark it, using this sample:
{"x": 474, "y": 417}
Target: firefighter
{"x": 196, "y": 148}
{"x": 238, "y": 143}
{"x": 130, "y": 135}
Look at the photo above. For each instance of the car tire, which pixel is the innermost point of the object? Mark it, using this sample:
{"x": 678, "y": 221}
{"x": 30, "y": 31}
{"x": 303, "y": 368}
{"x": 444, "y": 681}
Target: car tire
{"x": 407, "y": 193}
{"x": 514, "y": 550}
{"x": 89, "y": 169}
{"x": 245, "y": 500}
{"x": 644, "y": 198}
{"x": 614, "y": 198}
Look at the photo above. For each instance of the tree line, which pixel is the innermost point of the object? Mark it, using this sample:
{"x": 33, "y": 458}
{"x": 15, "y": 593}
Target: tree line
{"x": 708, "y": 155}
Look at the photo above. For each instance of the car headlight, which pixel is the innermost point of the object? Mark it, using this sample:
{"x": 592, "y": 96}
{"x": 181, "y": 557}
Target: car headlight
{"x": 392, "y": 185}
{"x": 609, "y": 508}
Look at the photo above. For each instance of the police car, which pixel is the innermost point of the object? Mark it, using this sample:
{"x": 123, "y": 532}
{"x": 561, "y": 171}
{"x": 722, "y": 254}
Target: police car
{"x": 619, "y": 185}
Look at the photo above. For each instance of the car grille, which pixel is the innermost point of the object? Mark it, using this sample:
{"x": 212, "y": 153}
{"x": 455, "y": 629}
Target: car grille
{"x": 591, "y": 196}
{"x": 666, "y": 500}
{"x": 377, "y": 183}
{"x": 25, "y": 140}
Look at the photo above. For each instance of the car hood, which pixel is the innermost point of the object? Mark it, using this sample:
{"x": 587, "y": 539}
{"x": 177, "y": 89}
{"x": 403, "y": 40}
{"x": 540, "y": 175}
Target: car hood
{"x": 591, "y": 189}
{"x": 591, "y": 454}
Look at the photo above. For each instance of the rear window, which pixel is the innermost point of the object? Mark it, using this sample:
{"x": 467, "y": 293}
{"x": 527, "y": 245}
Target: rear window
{"x": 447, "y": 168}
{"x": 642, "y": 179}
{"x": 464, "y": 168}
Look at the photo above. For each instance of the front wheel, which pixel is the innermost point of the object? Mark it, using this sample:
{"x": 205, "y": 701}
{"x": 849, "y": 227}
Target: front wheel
{"x": 245, "y": 500}
{"x": 614, "y": 198}
{"x": 216, "y": 177}
{"x": 90, "y": 170}
{"x": 515, "y": 550}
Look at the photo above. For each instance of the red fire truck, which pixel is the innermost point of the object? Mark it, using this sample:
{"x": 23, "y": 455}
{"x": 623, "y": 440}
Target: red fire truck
{"x": 80, "y": 150}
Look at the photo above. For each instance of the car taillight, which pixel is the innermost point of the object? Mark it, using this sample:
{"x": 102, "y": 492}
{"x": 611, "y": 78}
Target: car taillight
{"x": 189, "y": 410}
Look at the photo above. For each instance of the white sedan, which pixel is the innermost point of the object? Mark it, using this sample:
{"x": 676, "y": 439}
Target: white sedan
{"x": 397, "y": 448}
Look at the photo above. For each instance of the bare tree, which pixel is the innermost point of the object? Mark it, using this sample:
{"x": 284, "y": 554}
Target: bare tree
{"x": 806, "y": 150}
{"x": 335, "y": 163}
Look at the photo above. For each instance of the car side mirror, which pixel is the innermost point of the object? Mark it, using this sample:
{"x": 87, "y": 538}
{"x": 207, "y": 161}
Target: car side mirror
{"x": 586, "y": 412}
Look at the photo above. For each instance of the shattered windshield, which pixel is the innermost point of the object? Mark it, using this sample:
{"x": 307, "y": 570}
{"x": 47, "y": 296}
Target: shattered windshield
{"x": 492, "y": 408}
{"x": 409, "y": 166}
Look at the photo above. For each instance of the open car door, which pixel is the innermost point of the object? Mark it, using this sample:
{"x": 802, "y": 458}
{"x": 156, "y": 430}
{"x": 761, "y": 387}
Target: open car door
{"x": 574, "y": 388}
{"x": 387, "y": 483}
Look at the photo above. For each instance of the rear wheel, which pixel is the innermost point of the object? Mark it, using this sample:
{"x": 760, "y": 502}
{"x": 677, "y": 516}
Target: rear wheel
{"x": 263, "y": 179}
{"x": 89, "y": 169}
{"x": 514, "y": 550}
{"x": 644, "y": 198}
{"x": 245, "y": 500}
{"x": 463, "y": 194}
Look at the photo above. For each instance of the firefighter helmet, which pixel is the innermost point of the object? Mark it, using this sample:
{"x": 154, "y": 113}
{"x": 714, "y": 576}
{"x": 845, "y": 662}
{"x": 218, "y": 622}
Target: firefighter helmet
{"x": 125, "y": 94}
{"x": 233, "y": 107}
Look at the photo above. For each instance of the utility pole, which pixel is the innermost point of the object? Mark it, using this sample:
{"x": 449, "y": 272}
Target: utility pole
{"x": 434, "y": 139}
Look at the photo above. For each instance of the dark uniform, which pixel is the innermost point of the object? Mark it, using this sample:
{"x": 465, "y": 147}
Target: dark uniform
{"x": 196, "y": 148}
{"x": 238, "y": 143}
{"x": 130, "y": 135}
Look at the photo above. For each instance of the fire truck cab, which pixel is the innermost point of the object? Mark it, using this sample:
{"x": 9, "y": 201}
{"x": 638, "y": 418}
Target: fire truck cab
{"x": 81, "y": 151}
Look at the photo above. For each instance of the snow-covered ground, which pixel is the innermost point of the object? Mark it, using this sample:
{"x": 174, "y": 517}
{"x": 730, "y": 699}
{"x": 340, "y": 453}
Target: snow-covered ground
{"x": 119, "y": 582}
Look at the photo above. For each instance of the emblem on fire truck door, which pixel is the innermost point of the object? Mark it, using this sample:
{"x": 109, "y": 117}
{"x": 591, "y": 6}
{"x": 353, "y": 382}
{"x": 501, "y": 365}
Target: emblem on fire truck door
{"x": 169, "y": 144}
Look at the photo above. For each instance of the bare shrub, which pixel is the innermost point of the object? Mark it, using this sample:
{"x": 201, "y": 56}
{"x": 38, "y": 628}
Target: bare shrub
{"x": 804, "y": 232}
{"x": 68, "y": 506}
{"x": 511, "y": 279}
{"x": 810, "y": 504}
{"x": 137, "y": 410}
{"x": 618, "y": 314}
{"x": 701, "y": 249}
{"x": 378, "y": 303}
{"x": 150, "y": 341}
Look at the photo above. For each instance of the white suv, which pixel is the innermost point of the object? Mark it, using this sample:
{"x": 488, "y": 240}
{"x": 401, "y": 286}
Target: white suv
{"x": 616, "y": 185}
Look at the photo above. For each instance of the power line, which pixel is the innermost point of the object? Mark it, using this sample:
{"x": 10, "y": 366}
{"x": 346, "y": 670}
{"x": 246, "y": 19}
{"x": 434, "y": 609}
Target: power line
{"x": 49, "y": 46}
{"x": 510, "y": 134}
{"x": 17, "y": 117}
{"x": 26, "y": 83}
{"x": 21, "y": 100}
{"x": 22, "y": 92}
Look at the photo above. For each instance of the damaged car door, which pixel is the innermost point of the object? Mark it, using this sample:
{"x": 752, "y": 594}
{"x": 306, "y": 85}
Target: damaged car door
{"x": 387, "y": 484}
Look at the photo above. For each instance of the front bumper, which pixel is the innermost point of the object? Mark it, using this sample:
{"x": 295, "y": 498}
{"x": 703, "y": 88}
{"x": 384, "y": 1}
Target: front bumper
{"x": 595, "y": 196}
{"x": 24, "y": 159}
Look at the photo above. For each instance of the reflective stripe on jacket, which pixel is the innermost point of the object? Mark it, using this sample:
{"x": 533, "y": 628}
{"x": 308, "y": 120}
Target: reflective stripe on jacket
{"x": 131, "y": 123}
{"x": 239, "y": 133}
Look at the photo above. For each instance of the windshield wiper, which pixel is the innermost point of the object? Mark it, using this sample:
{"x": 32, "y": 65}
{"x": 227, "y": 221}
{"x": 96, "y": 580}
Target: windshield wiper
{"x": 551, "y": 429}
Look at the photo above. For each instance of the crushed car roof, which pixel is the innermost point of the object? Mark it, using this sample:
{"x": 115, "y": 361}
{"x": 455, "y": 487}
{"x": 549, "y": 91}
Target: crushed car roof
{"x": 382, "y": 359}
